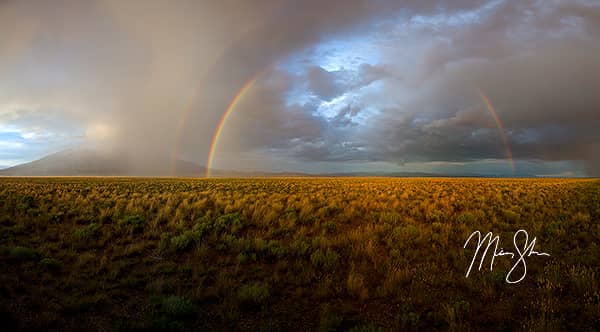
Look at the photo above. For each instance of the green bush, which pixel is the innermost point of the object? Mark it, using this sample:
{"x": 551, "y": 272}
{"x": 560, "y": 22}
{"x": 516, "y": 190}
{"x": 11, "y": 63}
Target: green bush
{"x": 253, "y": 294}
{"x": 27, "y": 202}
{"x": 163, "y": 323}
{"x": 329, "y": 321}
{"x": 181, "y": 242}
{"x": 411, "y": 231}
{"x": 23, "y": 254}
{"x": 510, "y": 215}
{"x": 50, "y": 264}
{"x": 300, "y": 248}
{"x": 275, "y": 250}
{"x": 410, "y": 320}
{"x": 366, "y": 328}
{"x": 242, "y": 258}
{"x": 330, "y": 226}
{"x": 200, "y": 228}
{"x": 86, "y": 233}
{"x": 176, "y": 306}
{"x": 327, "y": 260}
{"x": 465, "y": 218}
{"x": 136, "y": 222}
{"x": 56, "y": 217}
{"x": 456, "y": 313}
{"x": 230, "y": 223}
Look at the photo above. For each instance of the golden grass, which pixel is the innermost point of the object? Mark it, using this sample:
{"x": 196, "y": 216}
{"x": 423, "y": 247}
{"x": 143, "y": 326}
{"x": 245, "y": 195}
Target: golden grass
{"x": 293, "y": 254}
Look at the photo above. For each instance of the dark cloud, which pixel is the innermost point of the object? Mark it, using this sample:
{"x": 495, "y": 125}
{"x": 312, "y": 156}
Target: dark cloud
{"x": 538, "y": 67}
{"x": 142, "y": 64}
{"x": 330, "y": 84}
{"x": 323, "y": 83}
{"x": 161, "y": 75}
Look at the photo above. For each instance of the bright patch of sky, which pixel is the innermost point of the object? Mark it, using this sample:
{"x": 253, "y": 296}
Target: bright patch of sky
{"x": 344, "y": 56}
{"x": 10, "y": 141}
{"x": 460, "y": 18}
{"x": 23, "y": 144}
{"x": 439, "y": 20}
{"x": 335, "y": 54}
{"x": 329, "y": 109}
{"x": 14, "y": 148}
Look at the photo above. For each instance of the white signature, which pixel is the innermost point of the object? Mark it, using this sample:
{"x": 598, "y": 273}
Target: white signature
{"x": 528, "y": 250}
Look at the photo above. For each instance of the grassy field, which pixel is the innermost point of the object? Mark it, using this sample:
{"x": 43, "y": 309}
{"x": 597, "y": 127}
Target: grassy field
{"x": 328, "y": 254}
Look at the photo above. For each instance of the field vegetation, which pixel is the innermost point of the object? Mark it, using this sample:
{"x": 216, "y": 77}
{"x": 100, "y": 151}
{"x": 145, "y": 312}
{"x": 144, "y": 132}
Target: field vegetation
{"x": 294, "y": 254}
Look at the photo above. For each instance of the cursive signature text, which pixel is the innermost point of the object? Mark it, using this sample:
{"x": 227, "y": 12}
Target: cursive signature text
{"x": 521, "y": 252}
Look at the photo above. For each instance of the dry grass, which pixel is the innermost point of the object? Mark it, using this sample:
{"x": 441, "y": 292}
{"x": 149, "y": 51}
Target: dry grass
{"x": 293, "y": 254}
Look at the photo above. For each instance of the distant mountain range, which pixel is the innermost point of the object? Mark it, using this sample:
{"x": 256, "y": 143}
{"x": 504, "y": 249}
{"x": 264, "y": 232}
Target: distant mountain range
{"x": 88, "y": 162}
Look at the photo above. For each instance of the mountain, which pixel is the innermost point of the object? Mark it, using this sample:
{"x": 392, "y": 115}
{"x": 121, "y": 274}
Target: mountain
{"x": 91, "y": 162}
{"x": 87, "y": 162}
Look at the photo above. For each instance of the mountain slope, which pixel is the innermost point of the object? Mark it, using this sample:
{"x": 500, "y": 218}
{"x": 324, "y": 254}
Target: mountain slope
{"x": 103, "y": 163}
{"x": 88, "y": 162}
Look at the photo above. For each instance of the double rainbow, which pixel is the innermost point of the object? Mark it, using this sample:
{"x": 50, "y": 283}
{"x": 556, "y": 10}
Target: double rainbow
{"x": 250, "y": 83}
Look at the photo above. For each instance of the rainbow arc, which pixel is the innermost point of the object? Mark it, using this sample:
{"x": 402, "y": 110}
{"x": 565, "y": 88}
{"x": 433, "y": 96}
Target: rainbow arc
{"x": 250, "y": 83}
{"x": 232, "y": 105}
{"x": 500, "y": 127}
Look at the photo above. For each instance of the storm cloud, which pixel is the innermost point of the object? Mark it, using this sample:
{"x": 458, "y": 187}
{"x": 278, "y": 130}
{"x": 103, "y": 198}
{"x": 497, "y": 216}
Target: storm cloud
{"x": 536, "y": 62}
{"x": 336, "y": 82}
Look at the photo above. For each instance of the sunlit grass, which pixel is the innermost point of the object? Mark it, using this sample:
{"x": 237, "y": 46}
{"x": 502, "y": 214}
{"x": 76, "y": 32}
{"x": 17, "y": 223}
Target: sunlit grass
{"x": 294, "y": 254}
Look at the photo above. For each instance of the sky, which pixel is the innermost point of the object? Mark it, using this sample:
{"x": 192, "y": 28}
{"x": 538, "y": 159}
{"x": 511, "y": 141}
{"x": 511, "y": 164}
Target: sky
{"x": 497, "y": 88}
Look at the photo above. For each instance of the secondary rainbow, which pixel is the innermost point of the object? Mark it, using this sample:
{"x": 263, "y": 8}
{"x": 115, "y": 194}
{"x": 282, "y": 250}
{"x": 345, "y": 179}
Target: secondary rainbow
{"x": 234, "y": 102}
{"x": 500, "y": 126}
{"x": 187, "y": 108}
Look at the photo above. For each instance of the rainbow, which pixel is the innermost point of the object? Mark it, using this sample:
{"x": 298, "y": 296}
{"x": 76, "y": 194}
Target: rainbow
{"x": 187, "y": 108}
{"x": 236, "y": 99}
{"x": 500, "y": 126}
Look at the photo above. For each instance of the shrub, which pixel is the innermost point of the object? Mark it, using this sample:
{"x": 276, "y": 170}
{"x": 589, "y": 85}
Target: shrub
{"x": 330, "y": 321}
{"x": 275, "y": 250}
{"x": 410, "y": 320}
{"x": 465, "y": 218}
{"x": 27, "y": 202}
{"x": 390, "y": 217}
{"x": 200, "y": 229}
{"x": 330, "y": 226}
{"x": 87, "y": 232}
{"x": 355, "y": 285}
{"x": 405, "y": 235}
{"x": 230, "y": 223}
{"x": 242, "y": 258}
{"x": 455, "y": 314}
{"x": 176, "y": 306}
{"x": 411, "y": 231}
{"x": 135, "y": 222}
{"x": 181, "y": 242}
{"x": 300, "y": 247}
{"x": 162, "y": 324}
{"x": 56, "y": 217}
{"x": 164, "y": 243}
{"x": 50, "y": 264}
{"x": 253, "y": 294}
{"x": 23, "y": 254}
{"x": 366, "y": 328}
{"x": 327, "y": 260}
{"x": 510, "y": 215}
